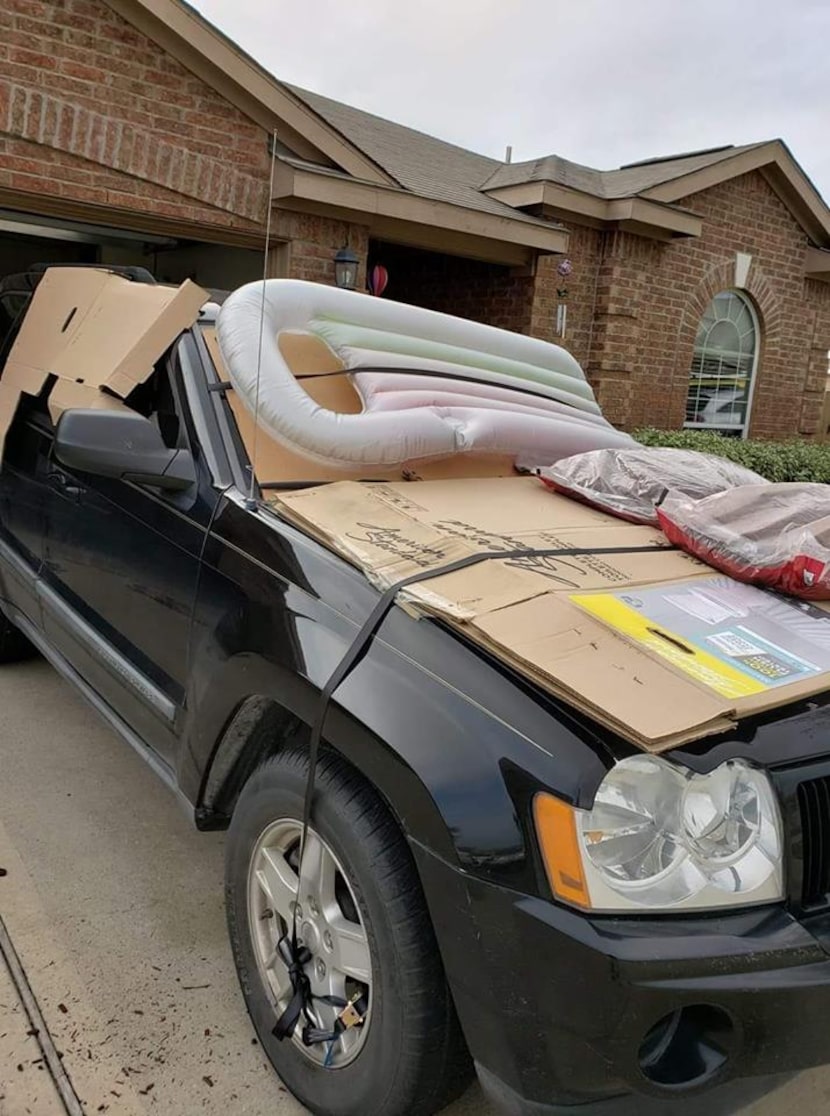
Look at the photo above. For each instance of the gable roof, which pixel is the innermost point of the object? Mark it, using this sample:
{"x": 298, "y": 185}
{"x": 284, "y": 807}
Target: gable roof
{"x": 434, "y": 168}
{"x": 627, "y": 182}
{"x": 423, "y": 164}
{"x": 338, "y": 141}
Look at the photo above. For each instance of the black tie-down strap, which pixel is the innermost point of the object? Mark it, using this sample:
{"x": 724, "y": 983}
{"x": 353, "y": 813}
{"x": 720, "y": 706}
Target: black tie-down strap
{"x": 294, "y": 954}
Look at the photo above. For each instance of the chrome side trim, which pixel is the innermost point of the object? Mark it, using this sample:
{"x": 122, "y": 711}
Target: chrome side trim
{"x": 164, "y": 771}
{"x": 117, "y": 665}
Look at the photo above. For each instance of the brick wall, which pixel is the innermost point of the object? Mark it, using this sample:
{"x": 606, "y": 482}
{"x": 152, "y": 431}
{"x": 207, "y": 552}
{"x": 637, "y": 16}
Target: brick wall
{"x": 578, "y": 292}
{"x": 650, "y": 296}
{"x": 93, "y": 111}
{"x": 486, "y": 292}
{"x": 311, "y": 244}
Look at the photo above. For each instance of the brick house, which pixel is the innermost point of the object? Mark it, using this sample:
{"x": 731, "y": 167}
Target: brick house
{"x": 699, "y": 285}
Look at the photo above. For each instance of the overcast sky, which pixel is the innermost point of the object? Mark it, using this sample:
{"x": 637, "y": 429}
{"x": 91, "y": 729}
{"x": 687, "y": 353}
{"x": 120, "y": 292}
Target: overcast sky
{"x": 602, "y": 82}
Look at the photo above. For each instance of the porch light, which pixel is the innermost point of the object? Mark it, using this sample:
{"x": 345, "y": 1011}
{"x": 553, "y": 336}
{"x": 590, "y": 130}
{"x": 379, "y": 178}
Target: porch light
{"x": 345, "y": 268}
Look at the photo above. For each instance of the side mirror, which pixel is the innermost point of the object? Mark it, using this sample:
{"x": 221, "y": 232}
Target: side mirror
{"x": 121, "y": 444}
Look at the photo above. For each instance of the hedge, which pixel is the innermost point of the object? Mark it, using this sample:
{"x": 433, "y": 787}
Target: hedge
{"x": 777, "y": 461}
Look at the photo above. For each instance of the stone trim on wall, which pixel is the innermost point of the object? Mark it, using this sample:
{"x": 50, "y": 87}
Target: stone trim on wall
{"x": 42, "y": 118}
{"x": 720, "y": 277}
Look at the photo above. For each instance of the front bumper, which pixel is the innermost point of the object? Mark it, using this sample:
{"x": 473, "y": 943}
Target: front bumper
{"x": 557, "y": 1006}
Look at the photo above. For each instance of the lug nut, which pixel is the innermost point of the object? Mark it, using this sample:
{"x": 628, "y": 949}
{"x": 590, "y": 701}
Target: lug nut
{"x": 321, "y": 970}
{"x": 327, "y": 942}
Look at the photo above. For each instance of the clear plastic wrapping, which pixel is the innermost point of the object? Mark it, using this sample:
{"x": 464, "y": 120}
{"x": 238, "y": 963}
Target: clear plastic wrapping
{"x": 777, "y": 535}
{"x": 629, "y": 483}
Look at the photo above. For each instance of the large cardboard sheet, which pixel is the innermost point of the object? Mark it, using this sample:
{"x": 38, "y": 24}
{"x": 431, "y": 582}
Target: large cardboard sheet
{"x": 651, "y": 643}
{"x": 98, "y": 333}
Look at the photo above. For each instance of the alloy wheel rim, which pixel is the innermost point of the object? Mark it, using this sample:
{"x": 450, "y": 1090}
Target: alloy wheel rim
{"x": 329, "y": 924}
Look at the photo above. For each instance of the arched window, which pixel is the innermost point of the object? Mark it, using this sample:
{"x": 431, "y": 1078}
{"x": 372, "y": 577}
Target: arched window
{"x": 723, "y": 366}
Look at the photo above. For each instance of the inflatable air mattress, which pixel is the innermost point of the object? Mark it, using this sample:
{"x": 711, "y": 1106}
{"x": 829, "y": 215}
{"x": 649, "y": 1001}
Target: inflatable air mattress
{"x": 426, "y": 385}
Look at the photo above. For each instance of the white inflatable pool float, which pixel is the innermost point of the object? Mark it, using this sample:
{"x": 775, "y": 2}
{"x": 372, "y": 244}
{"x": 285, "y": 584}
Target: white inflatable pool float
{"x": 427, "y": 385}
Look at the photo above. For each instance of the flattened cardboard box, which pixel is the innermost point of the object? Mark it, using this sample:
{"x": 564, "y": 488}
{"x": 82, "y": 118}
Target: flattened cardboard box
{"x": 653, "y": 645}
{"x": 100, "y": 335}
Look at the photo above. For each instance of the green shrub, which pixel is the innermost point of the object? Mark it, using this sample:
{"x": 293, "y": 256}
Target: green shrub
{"x": 777, "y": 461}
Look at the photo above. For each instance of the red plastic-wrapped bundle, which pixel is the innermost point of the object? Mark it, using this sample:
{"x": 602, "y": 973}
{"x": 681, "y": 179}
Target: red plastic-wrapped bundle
{"x": 629, "y": 483}
{"x": 777, "y": 535}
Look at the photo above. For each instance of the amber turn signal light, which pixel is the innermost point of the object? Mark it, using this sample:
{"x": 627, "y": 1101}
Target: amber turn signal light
{"x": 556, "y": 829}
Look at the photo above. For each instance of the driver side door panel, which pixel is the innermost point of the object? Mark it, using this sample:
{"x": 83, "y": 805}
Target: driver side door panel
{"x": 118, "y": 583}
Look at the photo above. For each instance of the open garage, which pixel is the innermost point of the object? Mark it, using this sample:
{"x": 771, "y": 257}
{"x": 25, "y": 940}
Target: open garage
{"x": 27, "y": 239}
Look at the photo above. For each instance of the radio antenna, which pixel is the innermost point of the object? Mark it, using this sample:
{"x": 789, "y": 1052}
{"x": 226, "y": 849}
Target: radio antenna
{"x": 251, "y": 498}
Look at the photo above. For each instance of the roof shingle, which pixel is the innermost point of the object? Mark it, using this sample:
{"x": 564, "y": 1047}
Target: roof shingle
{"x": 425, "y": 165}
{"x": 433, "y": 168}
{"x": 626, "y": 182}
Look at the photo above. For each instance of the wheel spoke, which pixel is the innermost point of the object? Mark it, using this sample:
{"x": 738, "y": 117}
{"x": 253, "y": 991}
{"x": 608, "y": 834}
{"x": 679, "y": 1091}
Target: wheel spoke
{"x": 278, "y": 880}
{"x": 349, "y": 1042}
{"x": 277, "y": 975}
{"x": 322, "y": 896}
{"x": 350, "y": 952}
{"x": 319, "y": 872}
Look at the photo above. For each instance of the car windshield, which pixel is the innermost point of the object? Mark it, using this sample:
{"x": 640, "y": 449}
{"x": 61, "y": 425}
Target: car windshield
{"x": 279, "y": 467}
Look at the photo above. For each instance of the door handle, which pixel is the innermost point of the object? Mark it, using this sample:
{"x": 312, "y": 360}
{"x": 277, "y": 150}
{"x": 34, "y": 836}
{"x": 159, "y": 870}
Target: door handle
{"x": 63, "y": 484}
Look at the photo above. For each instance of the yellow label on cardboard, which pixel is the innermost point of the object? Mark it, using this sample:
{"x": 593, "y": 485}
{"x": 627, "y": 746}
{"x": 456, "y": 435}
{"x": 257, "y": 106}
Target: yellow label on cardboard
{"x": 705, "y": 668}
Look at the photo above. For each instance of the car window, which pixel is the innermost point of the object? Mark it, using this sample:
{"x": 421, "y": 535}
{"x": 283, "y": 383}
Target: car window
{"x": 156, "y": 399}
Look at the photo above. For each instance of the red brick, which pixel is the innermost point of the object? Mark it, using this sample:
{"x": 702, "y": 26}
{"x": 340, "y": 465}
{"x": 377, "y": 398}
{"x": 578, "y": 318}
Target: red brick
{"x": 107, "y": 84}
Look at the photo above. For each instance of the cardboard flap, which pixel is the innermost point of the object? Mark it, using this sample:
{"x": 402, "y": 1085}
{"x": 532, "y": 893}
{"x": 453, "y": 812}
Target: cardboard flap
{"x": 94, "y": 329}
{"x": 610, "y": 679}
{"x": 67, "y": 396}
{"x": 649, "y": 642}
{"x": 14, "y": 383}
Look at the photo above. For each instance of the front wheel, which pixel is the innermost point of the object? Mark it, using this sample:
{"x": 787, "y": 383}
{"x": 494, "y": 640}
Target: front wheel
{"x": 363, "y": 919}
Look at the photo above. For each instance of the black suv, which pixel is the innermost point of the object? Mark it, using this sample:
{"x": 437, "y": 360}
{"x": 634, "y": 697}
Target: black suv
{"x": 425, "y": 940}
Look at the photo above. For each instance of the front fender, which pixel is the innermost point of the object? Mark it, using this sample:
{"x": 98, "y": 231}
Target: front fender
{"x": 454, "y": 743}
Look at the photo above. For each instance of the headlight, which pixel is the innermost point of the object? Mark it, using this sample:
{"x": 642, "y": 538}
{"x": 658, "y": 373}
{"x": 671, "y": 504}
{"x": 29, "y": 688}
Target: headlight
{"x": 660, "y": 837}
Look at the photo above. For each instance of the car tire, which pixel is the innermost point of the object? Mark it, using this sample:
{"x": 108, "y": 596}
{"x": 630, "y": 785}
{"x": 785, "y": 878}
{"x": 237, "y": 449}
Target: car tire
{"x": 14, "y": 647}
{"x": 413, "y": 1060}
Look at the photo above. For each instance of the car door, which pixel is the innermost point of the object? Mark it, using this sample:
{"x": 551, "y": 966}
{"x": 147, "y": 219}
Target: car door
{"x": 120, "y": 572}
{"x": 23, "y": 472}
{"x": 24, "y": 492}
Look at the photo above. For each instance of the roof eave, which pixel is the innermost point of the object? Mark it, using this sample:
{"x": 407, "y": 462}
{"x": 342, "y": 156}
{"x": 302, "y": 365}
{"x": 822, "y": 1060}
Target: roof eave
{"x": 662, "y": 221}
{"x": 397, "y": 214}
{"x": 780, "y": 169}
{"x": 817, "y": 265}
{"x": 647, "y": 218}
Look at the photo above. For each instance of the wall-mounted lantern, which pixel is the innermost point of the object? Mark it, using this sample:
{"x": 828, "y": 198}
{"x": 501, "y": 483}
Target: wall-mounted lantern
{"x": 345, "y": 268}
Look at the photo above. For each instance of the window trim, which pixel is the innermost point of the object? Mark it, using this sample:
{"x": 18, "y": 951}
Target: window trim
{"x": 753, "y": 375}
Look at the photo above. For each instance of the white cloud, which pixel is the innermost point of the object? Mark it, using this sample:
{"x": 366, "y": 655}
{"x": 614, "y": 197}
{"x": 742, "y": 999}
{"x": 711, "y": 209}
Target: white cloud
{"x": 598, "y": 81}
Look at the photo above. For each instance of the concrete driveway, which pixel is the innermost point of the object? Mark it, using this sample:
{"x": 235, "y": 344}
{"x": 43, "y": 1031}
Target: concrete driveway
{"x": 114, "y": 905}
